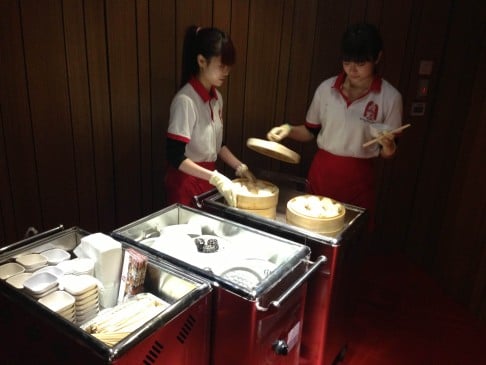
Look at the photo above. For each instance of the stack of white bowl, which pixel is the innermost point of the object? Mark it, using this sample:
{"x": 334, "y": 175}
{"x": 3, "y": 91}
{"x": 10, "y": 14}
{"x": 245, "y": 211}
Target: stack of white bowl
{"x": 84, "y": 289}
{"x": 62, "y": 303}
{"x": 40, "y": 284}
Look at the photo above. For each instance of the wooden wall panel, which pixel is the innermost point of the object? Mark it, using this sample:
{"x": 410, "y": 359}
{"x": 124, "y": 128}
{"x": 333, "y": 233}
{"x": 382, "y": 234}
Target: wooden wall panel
{"x": 17, "y": 127}
{"x": 100, "y": 111}
{"x": 79, "y": 104}
{"x": 125, "y": 124}
{"x": 261, "y": 78}
{"x": 234, "y": 103}
{"x": 144, "y": 100}
{"x": 49, "y": 110}
{"x": 163, "y": 84}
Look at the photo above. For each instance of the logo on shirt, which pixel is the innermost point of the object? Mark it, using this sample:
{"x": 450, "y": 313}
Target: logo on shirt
{"x": 371, "y": 111}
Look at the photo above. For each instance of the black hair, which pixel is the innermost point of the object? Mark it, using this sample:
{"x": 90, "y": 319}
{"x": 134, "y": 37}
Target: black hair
{"x": 208, "y": 42}
{"x": 361, "y": 43}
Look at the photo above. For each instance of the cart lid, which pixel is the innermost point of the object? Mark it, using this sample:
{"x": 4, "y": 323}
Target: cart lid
{"x": 273, "y": 149}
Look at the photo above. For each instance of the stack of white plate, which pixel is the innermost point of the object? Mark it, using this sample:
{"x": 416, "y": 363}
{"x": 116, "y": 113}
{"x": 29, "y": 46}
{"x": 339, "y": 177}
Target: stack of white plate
{"x": 62, "y": 303}
{"x": 84, "y": 289}
{"x": 41, "y": 284}
{"x": 32, "y": 261}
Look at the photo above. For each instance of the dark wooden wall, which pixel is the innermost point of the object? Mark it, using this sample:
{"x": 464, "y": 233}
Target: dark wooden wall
{"x": 85, "y": 87}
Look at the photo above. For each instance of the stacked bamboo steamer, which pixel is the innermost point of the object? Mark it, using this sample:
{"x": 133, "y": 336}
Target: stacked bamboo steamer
{"x": 315, "y": 213}
{"x": 259, "y": 197}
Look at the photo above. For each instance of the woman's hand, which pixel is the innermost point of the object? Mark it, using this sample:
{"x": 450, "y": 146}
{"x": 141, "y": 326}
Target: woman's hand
{"x": 388, "y": 145}
{"x": 243, "y": 172}
{"x": 276, "y": 134}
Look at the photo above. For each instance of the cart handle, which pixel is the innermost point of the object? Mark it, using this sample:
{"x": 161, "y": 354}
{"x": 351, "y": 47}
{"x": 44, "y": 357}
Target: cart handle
{"x": 275, "y": 304}
{"x": 30, "y": 239}
{"x": 199, "y": 199}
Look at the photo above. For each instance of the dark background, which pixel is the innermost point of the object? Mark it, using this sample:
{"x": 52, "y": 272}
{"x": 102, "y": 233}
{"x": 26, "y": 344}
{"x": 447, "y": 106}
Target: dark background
{"x": 85, "y": 87}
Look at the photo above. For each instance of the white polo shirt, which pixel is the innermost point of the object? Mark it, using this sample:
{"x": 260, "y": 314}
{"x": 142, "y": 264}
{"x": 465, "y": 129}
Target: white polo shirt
{"x": 196, "y": 119}
{"x": 345, "y": 125}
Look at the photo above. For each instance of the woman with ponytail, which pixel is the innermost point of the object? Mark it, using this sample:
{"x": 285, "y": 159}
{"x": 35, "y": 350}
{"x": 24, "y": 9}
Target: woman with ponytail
{"x": 195, "y": 132}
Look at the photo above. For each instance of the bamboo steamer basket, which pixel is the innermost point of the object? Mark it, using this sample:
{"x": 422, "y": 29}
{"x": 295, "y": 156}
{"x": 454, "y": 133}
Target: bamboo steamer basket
{"x": 254, "y": 201}
{"x": 312, "y": 223}
{"x": 270, "y": 213}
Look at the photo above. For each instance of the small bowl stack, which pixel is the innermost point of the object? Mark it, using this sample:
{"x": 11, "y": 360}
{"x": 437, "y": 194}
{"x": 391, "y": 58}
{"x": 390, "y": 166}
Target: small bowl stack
{"x": 62, "y": 303}
{"x": 41, "y": 284}
{"x": 32, "y": 261}
{"x": 84, "y": 289}
{"x": 17, "y": 281}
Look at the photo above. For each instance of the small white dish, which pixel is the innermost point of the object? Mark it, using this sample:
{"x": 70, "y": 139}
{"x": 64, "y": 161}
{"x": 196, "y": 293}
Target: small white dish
{"x": 58, "y": 301}
{"x": 54, "y": 270}
{"x": 10, "y": 269}
{"x": 44, "y": 293}
{"x": 78, "y": 284}
{"x": 93, "y": 302}
{"x": 17, "y": 281}
{"x": 40, "y": 283}
{"x": 92, "y": 295}
{"x": 32, "y": 261}
{"x": 56, "y": 255}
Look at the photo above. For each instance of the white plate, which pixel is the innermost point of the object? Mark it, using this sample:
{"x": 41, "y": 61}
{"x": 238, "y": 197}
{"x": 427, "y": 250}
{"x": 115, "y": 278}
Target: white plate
{"x": 10, "y": 269}
{"x": 58, "y": 301}
{"x": 56, "y": 255}
{"x": 40, "y": 283}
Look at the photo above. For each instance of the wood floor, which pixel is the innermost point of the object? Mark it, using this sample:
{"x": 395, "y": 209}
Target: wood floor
{"x": 404, "y": 318}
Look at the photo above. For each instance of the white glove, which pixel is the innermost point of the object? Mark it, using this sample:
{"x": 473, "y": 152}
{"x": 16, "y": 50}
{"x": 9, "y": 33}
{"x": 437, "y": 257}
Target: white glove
{"x": 225, "y": 187}
{"x": 276, "y": 134}
{"x": 243, "y": 172}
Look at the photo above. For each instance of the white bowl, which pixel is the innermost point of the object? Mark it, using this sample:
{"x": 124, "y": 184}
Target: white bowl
{"x": 39, "y": 284}
{"x": 10, "y": 269}
{"x": 56, "y": 255}
{"x": 17, "y": 281}
{"x": 78, "y": 284}
{"x": 54, "y": 270}
{"x": 376, "y": 129}
{"x": 32, "y": 261}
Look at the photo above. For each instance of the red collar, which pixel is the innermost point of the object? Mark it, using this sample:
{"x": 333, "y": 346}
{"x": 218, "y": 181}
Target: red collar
{"x": 201, "y": 90}
{"x": 375, "y": 84}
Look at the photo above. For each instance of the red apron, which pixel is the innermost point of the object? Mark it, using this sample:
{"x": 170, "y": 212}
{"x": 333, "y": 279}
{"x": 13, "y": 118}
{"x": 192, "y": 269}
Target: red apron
{"x": 345, "y": 179}
{"x": 181, "y": 187}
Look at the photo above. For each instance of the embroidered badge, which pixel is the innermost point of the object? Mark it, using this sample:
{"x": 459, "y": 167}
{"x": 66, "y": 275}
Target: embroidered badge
{"x": 371, "y": 111}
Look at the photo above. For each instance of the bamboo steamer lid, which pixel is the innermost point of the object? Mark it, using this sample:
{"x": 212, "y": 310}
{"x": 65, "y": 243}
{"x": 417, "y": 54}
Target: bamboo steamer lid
{"x": 306, "y": 218}
{"x": 273, "y": 149}
{"x": 259, "y": 195}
